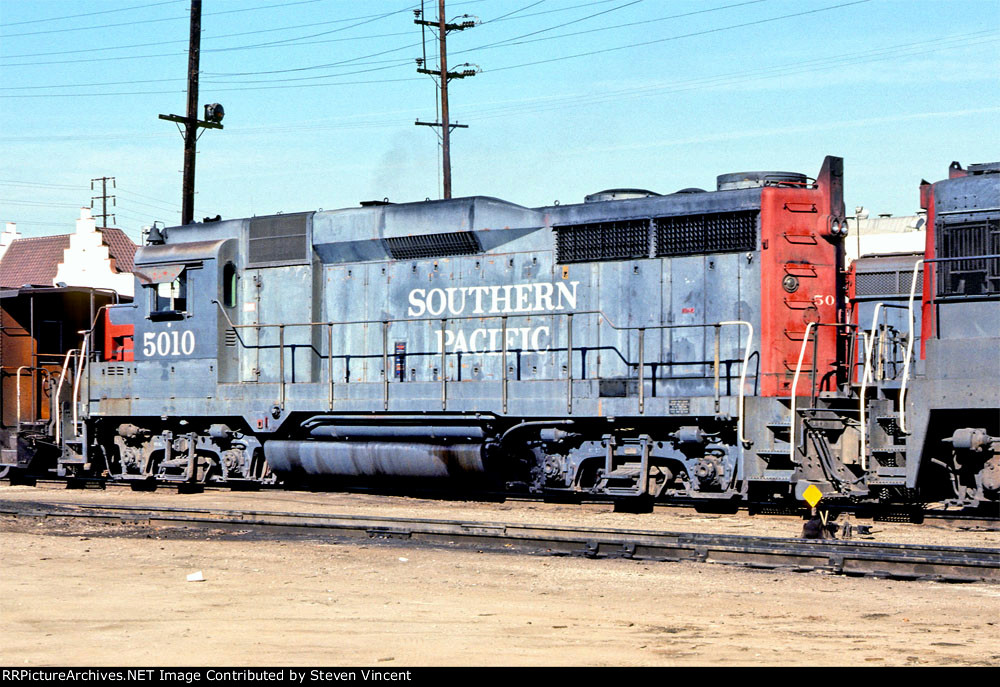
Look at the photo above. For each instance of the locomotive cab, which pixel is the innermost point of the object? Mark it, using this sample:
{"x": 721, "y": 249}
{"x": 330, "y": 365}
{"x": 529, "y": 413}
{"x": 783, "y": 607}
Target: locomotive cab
{"x": 157, "y": 406}
{"x": 183, "y": 289}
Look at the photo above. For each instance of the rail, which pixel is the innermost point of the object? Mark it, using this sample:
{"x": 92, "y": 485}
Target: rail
{"x": 504, "y": 375}
{"x": 849, "y": 557}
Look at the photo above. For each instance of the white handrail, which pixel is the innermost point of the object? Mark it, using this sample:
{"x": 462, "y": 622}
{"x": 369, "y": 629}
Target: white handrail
{"x": 909, "y": 351}
{"x": 795, "y": 385}
{"x": 743, "y": 374}
{"x": 868, "y": 338}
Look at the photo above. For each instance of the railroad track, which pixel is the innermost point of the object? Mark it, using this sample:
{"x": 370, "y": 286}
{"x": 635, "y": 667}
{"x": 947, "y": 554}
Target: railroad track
{"x": 895, "y": 561}
{"x": 978, "y": 519}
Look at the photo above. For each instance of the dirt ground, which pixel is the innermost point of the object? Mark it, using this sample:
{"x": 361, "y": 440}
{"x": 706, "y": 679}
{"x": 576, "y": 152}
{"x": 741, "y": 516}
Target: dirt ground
{"x": 90, "y": 596}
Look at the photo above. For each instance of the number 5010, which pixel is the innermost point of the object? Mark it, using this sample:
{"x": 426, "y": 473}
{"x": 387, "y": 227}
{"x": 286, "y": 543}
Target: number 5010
{"x": 168, "y": 343}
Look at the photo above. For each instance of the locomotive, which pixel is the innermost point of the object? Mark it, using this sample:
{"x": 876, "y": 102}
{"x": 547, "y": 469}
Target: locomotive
{"x": 704, "y": 345}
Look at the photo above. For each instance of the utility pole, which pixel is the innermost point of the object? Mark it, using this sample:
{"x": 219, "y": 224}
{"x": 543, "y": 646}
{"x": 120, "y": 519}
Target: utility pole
{"x": 443, "y": 77}
{"x": 213, "y": 116}
{"x": 104, "y": 199}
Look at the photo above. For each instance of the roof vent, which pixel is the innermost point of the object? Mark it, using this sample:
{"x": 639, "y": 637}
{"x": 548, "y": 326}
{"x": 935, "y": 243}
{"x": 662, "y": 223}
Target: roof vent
{"x": 740, "y": 180}
{"x": 618, "y": 194}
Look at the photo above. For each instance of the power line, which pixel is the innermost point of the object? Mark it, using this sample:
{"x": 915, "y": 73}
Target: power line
{"x": 132, "y": 201}
{"x": 526, "y": 7}
{"x": 37, "y": 203}
{"x": 214, "y": 90}
{"x": 89, "y": 50}
{"x": 140, "y": 195}
{"x": 34, "y": 223}
{"x": 91, "y": 14}
{"x": 506, "y": 43}
{"x": 554, "y": 59}
{"x": 39, "y": 184}
{"x": 825, "y": 63}
{"x": 322, "y": 33}
{"x": 154, "y": 21}
{"x": 559, "y": 26}
{"x": 686, "y": 35}
{"x": 317, "y": 66}
{"x": 739, "y": 77}
{"x": 549, "y": 103}
{"x": 405, "y": 47}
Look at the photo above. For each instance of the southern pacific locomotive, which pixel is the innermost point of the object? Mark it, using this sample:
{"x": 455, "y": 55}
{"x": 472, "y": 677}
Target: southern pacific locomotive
{"x": 701, "y": 344}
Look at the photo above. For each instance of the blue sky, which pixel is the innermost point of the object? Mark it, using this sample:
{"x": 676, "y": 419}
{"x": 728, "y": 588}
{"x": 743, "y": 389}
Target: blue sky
{"x": 573, "y": 96}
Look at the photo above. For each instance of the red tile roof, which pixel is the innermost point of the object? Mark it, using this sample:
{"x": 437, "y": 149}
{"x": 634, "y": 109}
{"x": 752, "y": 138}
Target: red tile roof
{"x": 36, "y": 260}
{"x": 120, "y": 247}
{"x": 32, "y": 261}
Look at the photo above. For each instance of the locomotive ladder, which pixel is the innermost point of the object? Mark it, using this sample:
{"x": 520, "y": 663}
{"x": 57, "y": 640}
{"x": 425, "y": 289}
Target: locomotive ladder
{"x": 874, "y": 357}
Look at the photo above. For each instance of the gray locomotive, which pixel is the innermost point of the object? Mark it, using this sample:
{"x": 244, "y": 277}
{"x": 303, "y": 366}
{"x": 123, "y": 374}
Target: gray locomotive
{"x": 701, "y": 344}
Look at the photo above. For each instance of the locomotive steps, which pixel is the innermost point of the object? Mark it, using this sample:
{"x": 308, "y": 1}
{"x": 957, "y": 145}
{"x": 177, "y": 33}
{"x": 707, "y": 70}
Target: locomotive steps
{"x": 895, "y": 561}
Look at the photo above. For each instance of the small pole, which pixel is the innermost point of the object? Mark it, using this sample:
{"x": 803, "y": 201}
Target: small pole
{"x": 191, "y": 127}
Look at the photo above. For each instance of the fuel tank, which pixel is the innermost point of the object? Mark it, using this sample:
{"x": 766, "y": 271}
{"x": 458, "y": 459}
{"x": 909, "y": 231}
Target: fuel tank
{"x": 376, "y": 459}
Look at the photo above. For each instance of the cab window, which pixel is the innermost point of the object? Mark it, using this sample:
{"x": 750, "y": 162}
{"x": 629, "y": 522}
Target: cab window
{"x": 168, "y": 294}
{"x": 229, "y": 285}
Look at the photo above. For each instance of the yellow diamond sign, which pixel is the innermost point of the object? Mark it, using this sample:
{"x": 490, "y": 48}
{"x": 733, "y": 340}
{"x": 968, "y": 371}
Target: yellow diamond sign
{"x": 812, "y": 495}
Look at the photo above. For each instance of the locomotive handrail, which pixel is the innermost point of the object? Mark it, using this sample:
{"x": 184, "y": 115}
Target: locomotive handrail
{"x": 81, "y": 364}
{"x": 462, "y": 318}
{"x": 18, "y": 374}
{"x": 740, "y": 426}
{"x": 795, "y": 385}
{"x": 864, "y": 384}
{"x": 795, "y": 379}
{"x": 82, "y": 360}
{"x": 62, "y": 377}
{"x": 504, "y": 350}
{"x": 909, "y": 350}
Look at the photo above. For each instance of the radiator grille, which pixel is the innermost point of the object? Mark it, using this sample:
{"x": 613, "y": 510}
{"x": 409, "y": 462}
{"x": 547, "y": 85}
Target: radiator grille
{"x": 974, "y": 276}
{"x": 718, "y": 232}
{"x": 231, "y": 338}
{"x": 603, "y": 241}
{"x": 433, "y": 245}
{"x": 278, "y": 240}
{"x": 886, "y": 283}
